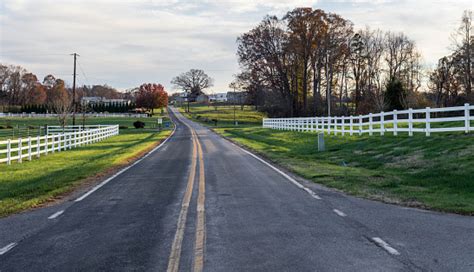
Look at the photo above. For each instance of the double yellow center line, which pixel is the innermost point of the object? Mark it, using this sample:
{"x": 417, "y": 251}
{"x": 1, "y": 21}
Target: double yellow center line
{"x": 174, "y": 259}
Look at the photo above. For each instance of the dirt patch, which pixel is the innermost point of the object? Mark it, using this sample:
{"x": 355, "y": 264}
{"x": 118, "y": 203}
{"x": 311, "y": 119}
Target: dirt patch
{"x": 415, "y": 160}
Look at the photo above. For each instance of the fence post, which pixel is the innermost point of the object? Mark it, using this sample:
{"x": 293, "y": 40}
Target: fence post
{"x": 351, "y": 127}
{"x": 343, "y": 125}
{"x": 52, "y": 143}
{"x": 29, "y": 148}
{"x": 382, "y": 123}
{"x": 334, "y": 127}
{"x": 20, "y": 151}
{"x": 410, "y": 122}
{"x": 467, "y": 122}
{"x": 9, "y": 151}
{"x": 66, "y": 141}
{"x": 370, "y": 124}
{"x": 395, "y": 124}
{"x": 360, "y": 124}
{"x": 46, "y": 143}
{"x": 38, "y": 146}
{"x": 428, "y": 125}
{"x": 329, "y": 125}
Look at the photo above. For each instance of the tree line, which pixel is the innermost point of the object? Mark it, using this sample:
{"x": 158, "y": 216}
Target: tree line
{"x": 311, "y": 62}
{"x": 21, "y": 91}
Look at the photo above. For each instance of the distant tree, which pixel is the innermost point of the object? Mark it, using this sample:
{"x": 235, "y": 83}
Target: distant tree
{"x": 33, "y": 93}
{"x": 394, "y": 95}
{"x": 194, "y": 82}
{"x": 463, "y": 40}
{"x": 59, "y": 101}
{"x": 49, "y": 81}
{"x": 450, "y": 83}
{"x": 151, "y": 96}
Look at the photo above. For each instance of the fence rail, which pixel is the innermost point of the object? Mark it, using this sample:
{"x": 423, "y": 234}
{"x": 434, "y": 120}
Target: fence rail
{"x": 410, "y": 121}
{"x": 50, "y": 115}
{"x": 27, "y": 148}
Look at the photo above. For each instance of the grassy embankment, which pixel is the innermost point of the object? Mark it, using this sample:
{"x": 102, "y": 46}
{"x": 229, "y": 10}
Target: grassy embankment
{"x": 434, "y": 172}
{"x": 39, "y": 181}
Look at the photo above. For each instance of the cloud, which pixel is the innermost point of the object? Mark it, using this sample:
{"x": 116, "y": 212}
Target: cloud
{"x": 125, "y": 43}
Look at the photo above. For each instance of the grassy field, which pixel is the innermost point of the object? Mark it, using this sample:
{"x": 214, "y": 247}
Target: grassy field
{"x": 39, "y": 181}
{"x": 225, "y": 115}
{"x": 23, "y": 127}
{"x": 434, "y": 172}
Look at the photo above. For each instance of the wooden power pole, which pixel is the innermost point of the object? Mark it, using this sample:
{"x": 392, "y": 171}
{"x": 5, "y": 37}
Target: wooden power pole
{"x": 74, "y": 105}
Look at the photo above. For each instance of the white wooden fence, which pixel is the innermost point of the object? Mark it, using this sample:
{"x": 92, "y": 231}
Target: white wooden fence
{"x": 55, "y": 141}
{"x": 50, "y": 115}
{"x": 426, "y": 121}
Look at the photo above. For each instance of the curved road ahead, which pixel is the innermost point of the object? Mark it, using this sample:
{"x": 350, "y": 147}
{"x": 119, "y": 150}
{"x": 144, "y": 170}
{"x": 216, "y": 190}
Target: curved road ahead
{"x": 201, "y": 203}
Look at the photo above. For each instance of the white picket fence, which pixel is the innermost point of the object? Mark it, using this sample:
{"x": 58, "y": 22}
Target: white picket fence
{"x": 410, "y": 121}
{"x": 50, "y": 115}
{"x": 58, "y": 139}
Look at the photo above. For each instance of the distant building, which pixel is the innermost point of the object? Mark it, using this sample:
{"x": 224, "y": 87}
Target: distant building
{"x": 218, "y": 97}
{"x": 202, "y": 98}
{"x": 95, "y": 100}
{"x": 237, "y": 97}
{"x": 178, "y": 97}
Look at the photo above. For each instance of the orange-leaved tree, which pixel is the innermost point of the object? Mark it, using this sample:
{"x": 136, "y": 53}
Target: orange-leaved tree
{"x": 151, "y": 96}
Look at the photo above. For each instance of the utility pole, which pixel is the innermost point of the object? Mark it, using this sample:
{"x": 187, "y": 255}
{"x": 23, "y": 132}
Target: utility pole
{"x": 74, "y": 106}
{"x": 235, "y": 98}
{"x": 188, "y": 93}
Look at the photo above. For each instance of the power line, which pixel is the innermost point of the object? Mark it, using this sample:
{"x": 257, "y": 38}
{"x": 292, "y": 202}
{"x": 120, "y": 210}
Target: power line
{"x": 83, "y": 74}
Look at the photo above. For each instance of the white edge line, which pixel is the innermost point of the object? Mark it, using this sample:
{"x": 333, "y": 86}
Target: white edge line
{"x": 338, "y": 212}
{"x": 56, "y": 214}
{"x": 124, "y": 169}
{"x": 292, "y": 180}
{"x": 385, "y": 246}
{"x": 7, "y": 248}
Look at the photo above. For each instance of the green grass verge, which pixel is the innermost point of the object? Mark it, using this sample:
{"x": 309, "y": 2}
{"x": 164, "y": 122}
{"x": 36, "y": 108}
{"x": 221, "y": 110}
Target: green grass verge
{"x": 32, "y": 183}
{"x": 434, "y": 172}
{"x": 36, "y": 123}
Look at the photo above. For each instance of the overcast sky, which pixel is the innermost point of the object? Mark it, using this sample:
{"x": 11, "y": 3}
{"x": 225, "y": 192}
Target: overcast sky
{"x": 124, "y": 43}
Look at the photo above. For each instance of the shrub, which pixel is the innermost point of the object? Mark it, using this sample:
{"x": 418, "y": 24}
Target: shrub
{"x": 123, "y": 127}
{"x": 139, "y": 124}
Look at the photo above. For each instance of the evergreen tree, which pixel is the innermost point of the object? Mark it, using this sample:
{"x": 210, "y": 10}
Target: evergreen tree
{"x": 394, "y": 95}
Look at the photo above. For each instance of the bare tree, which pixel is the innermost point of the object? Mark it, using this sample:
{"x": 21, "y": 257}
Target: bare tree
{"x": 463, "y": 40}
{"x": 59, "y": 101}
{"x": 194, "y": 81}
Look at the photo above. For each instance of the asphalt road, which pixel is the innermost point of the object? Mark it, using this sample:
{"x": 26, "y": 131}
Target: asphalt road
{"x": 201, "y": 203}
